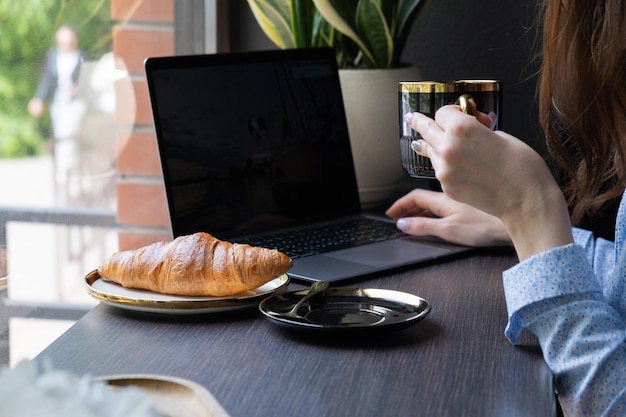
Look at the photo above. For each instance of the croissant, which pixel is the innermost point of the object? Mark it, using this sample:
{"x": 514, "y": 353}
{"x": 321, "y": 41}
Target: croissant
{"x": 196, "y": 265}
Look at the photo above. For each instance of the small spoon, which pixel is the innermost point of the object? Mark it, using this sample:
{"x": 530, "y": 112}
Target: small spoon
{"x": 317, "y": 287}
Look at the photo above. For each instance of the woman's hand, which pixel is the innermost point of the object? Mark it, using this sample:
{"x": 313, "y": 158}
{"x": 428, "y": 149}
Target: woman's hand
{"x": 431, "y": 213}
{"x": 495, "y": 173}
{"x": 489, "y": 170}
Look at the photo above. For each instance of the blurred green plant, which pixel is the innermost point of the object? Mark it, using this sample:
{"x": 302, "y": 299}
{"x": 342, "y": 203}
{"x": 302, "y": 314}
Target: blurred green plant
{"x": 26, "y": 32}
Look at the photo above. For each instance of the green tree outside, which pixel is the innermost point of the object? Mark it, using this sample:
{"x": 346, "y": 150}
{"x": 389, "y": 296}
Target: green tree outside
{"x": 27, "y": 29}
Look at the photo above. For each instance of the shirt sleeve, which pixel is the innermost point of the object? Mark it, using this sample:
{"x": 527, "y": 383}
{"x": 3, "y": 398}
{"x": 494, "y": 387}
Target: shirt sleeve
{"x": 601, "y": 254}
{"x": 557, "y": 296}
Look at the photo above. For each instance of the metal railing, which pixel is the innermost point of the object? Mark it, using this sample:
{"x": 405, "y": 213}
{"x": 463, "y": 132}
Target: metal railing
{"x": 92, "y": 217}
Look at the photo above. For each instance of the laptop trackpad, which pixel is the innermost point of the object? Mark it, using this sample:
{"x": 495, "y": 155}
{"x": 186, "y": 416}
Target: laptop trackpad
{"x": 367, "y": 259}
{"x": 395, "y": 252}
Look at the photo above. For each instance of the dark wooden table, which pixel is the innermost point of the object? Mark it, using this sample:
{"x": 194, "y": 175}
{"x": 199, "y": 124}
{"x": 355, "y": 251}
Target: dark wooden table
{"x": 456, "y": 362}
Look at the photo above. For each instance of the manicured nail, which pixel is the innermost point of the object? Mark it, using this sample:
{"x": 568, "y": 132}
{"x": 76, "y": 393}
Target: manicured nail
{"x": 403, "y": 224}
{"x": 407, "y": 118}
{"x": 416, "y": 145}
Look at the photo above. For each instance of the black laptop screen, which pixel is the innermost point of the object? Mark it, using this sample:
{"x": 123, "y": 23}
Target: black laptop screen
{"x": 251, "y": 140}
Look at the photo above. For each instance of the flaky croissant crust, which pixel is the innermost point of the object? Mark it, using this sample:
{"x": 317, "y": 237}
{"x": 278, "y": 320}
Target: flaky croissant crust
{"x": 196, "y": 265}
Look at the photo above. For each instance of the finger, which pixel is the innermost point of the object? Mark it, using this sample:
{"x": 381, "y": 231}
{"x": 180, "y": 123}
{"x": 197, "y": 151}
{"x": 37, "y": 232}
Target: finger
{"x": 429, "y": 201}
{"x": 404, "y": 206}
{"x": 446, "y": 113}
{"x": 420, "y": 147}
{"x": 418, "y": 202}
{"x": 490, "y": 120}
{"x": 399, "y": 210}
{"x": 422, "y": 226}
{"x": 424, "y": 125}
{"x": 494, "y": 120}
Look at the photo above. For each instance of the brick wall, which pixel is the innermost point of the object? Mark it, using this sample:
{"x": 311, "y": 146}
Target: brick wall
{"x": 146, "y": 29}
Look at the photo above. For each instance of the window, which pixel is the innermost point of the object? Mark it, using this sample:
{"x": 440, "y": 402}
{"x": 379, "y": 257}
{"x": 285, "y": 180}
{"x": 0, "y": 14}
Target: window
{"x": 84, "y": 182}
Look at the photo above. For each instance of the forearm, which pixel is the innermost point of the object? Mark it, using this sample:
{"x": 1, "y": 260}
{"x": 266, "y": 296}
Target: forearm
{"x": 538, "y": 222}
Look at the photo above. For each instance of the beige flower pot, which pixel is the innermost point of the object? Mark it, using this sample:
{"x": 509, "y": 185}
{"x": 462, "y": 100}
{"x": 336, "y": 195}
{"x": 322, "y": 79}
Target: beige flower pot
{"x": 371, "y": 103}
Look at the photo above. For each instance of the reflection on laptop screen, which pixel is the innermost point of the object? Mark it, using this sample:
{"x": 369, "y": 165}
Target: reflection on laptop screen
{"x": 246, "y": 144}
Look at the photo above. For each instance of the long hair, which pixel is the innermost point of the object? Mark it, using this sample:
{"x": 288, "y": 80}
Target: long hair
{"x": 582, "y": 98}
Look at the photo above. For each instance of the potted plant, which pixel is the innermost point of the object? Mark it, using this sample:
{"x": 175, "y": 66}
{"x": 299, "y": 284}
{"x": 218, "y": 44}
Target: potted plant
{"x": 364, "y": 33}
{"x": 368, "y": 37}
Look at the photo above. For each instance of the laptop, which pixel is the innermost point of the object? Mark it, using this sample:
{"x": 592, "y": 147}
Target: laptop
{"x": 255, "y": 145}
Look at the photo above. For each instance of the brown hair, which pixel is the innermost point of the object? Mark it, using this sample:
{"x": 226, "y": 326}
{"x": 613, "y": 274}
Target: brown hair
{"x": 582, "y": 98}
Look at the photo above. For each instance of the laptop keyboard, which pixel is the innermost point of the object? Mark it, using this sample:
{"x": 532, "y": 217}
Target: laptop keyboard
{"x": 325, "y": 237}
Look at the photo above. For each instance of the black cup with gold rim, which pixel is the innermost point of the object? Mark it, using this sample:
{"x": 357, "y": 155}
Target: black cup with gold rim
{"x": 427, "y": 96}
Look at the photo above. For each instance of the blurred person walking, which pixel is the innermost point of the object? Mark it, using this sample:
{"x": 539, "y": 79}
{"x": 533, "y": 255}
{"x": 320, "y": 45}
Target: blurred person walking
{"x": 58, "y": 86}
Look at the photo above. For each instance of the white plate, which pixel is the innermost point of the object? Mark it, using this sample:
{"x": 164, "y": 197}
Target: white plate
{"x": 114, "y": 294}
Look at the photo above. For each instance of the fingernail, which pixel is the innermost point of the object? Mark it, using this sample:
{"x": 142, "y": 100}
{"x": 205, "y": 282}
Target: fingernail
{"x": 416, "y": 145}
{"x": 408, "y": 118}
{"x": 403, "y": 224}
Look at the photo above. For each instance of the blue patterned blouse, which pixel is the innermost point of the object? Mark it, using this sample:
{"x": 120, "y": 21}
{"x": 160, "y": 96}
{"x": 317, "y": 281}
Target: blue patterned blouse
{"x": 574, "y": 299}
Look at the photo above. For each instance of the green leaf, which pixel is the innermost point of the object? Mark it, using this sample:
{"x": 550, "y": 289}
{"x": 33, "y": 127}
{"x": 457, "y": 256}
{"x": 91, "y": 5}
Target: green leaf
{"x": 303, "y": 22}
{"x": 405, "y": 17}
{"x": 323, "y": 34}
{"x": 373, "y": 29}
{"x": 274, "y": 18}
{"x": 341, "y": 15}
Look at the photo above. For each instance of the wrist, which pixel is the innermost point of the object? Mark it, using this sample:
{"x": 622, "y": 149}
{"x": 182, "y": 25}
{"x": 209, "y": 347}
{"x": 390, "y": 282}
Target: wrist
{"x": 539, "y": 223}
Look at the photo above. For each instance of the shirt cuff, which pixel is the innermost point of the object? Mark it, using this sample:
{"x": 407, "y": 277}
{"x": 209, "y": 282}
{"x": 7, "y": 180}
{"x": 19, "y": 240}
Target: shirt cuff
{"x": 555, "y": 273}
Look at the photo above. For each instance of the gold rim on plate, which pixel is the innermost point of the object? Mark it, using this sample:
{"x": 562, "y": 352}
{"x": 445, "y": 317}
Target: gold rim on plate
{"x": 116, "y": 295}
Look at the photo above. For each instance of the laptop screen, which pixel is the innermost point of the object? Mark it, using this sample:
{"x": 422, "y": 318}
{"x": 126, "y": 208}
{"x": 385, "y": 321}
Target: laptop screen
{"x": 249, "y": 141}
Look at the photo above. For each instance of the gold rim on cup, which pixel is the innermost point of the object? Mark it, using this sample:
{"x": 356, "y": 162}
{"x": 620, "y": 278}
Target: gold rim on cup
{"x": 465, "y": 86}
